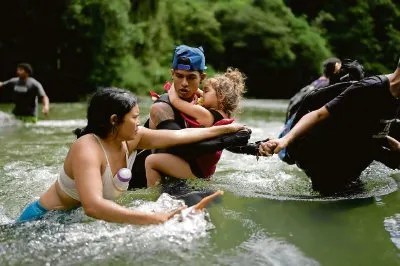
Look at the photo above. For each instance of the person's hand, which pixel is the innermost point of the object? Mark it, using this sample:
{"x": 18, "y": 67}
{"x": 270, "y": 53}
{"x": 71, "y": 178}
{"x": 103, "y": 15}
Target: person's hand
{"x": 163, "y": 217}
{"x": 394, "y": 144}
{"x": 45, "y": 110}
{"x": 234, "y": 127}
{"x": 272, "y": 146}
{"x": 266, "y": 148}
{"x": 172, "y": 93}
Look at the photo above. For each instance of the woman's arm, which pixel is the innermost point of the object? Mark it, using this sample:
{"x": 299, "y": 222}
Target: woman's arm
{"x": 198, "y": 112}
{"x": 153, "y": 139}
{"x": 305, "y": 124}
{"x": 86, "y": 168}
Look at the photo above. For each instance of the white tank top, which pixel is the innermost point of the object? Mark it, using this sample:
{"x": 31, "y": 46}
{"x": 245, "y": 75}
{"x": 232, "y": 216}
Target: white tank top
{"x": 110, "y": 192}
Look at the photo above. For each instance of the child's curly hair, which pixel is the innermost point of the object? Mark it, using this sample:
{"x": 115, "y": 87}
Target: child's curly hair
{"x": 229, "y": 88}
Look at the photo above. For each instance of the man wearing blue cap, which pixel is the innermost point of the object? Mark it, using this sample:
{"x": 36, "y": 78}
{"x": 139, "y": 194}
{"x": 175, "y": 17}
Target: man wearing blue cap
{"x": 187, "y": 71}
{"x": 188, "y": 65}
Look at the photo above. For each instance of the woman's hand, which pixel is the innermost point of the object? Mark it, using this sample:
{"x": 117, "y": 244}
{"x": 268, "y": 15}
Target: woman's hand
{"x": 163, "y": 217}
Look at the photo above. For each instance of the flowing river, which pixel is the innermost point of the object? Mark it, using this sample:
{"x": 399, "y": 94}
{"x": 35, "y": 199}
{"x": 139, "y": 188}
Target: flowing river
{"x": 268, "y": 215}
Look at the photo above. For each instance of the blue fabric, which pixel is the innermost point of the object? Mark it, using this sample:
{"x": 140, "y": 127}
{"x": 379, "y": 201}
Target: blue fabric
{"x": 195, "y": 56}
{"x": 283, "y": 154}
{"x": 33, "y": 211}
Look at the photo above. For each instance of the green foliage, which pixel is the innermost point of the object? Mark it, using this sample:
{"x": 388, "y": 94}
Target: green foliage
{"x": 106, "y": 26}
{"x": 364, "y": 30}
{"x": 270, "y": 45}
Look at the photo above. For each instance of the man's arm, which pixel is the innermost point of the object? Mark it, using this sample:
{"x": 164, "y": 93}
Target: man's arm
{"x": 46, "y": 105}
{"x": 305, "y": 124}
{"x": 7, "y": 82}
{"x": 41, "y": 93}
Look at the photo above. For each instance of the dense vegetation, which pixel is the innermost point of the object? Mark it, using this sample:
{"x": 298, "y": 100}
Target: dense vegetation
{"x": 76, "y": 46}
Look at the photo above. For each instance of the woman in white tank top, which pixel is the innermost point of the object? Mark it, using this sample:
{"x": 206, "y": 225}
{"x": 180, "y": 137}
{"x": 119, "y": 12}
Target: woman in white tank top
{"x": 102, "y": 147}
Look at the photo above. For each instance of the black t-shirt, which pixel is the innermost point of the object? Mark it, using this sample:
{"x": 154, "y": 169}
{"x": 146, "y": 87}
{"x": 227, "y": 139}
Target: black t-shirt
{"x": 365, "y": 111}
{"x": 348, "y": 140}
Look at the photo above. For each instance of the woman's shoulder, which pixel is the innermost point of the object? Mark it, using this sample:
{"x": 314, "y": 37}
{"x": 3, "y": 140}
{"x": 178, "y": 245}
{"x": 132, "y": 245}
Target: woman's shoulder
{"x": 85, "y": 144}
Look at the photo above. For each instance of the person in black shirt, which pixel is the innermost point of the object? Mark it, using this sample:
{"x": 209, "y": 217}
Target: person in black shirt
{"x": 26, "y": 91}
{"x": 335, "y": 143}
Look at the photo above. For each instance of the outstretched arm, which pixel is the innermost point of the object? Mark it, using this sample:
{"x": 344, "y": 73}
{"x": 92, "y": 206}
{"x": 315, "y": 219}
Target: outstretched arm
{"x": 86, "y": 168}
{"x": 12, "y": 81}
{"x": 305, "y": 124}
{"x": 156, "y": 139}
{"x": 198, "y": 112}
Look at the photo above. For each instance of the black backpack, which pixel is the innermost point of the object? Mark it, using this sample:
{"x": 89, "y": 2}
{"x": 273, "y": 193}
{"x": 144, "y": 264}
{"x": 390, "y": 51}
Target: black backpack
{"x": 313, "y": 100}
{"x": 351, "y": 70}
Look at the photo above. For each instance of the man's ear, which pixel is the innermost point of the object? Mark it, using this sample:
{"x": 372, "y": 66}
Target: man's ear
{"x": 113, "y": 119}
{"x": 172, "y": 72}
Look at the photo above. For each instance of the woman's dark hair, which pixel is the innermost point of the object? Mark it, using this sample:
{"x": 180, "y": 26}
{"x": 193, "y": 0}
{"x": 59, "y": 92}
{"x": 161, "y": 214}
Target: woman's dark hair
{"x": 103, "y": 104}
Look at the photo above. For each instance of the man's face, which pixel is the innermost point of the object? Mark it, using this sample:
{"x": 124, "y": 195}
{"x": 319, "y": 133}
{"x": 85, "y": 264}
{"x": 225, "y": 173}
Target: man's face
{"x": 21, "y": 73}
{"x": 186, "y": 82}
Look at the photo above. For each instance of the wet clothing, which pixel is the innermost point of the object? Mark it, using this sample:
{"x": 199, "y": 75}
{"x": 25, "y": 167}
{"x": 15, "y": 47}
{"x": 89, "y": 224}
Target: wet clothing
{"x": 33, "y": 211}
{"x": 204, "y": 166}
{"x": 187, "y": 151}
{"x": 25, "y": 95}
{"x": 334, "y": 153}
{"x": 110, "y": 192}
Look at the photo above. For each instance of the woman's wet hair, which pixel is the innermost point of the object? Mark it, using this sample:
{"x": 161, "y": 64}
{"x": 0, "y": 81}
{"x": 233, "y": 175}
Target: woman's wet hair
{"x": 103, "y": 104}
{"x": 229, "y": 87}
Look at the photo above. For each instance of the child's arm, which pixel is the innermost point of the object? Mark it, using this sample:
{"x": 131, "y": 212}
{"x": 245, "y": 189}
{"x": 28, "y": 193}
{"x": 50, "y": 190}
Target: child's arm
{"x": 201, "y": 114}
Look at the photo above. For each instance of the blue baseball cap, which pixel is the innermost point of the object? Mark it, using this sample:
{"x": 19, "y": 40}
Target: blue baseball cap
{"x": 189, "y": 58}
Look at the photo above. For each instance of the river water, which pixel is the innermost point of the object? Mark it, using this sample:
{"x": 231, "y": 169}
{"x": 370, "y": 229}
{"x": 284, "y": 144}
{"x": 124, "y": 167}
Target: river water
{"x": 268, "y": 215}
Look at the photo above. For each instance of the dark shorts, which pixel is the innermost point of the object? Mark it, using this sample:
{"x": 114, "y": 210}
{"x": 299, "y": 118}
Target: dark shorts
{"x": 196, "y": 170}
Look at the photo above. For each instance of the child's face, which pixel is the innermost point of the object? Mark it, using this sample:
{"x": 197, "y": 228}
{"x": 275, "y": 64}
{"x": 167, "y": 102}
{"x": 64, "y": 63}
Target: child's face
{"x": 210, "y": 96}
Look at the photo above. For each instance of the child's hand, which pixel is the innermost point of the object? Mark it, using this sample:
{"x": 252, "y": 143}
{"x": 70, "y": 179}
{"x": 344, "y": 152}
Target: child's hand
{"x": 200, "y": 101}
{"x": 172, "y": 93}
{"x": 199, "y": 93}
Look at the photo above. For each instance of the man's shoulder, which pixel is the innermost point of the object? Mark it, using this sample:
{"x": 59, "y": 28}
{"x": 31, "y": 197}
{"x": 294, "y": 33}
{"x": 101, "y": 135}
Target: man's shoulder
{"x": 375, "y": 80}
{"x": 161, "y": 105}
{"x": 33, "y": 82}
{"x": 163, "y": 98}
